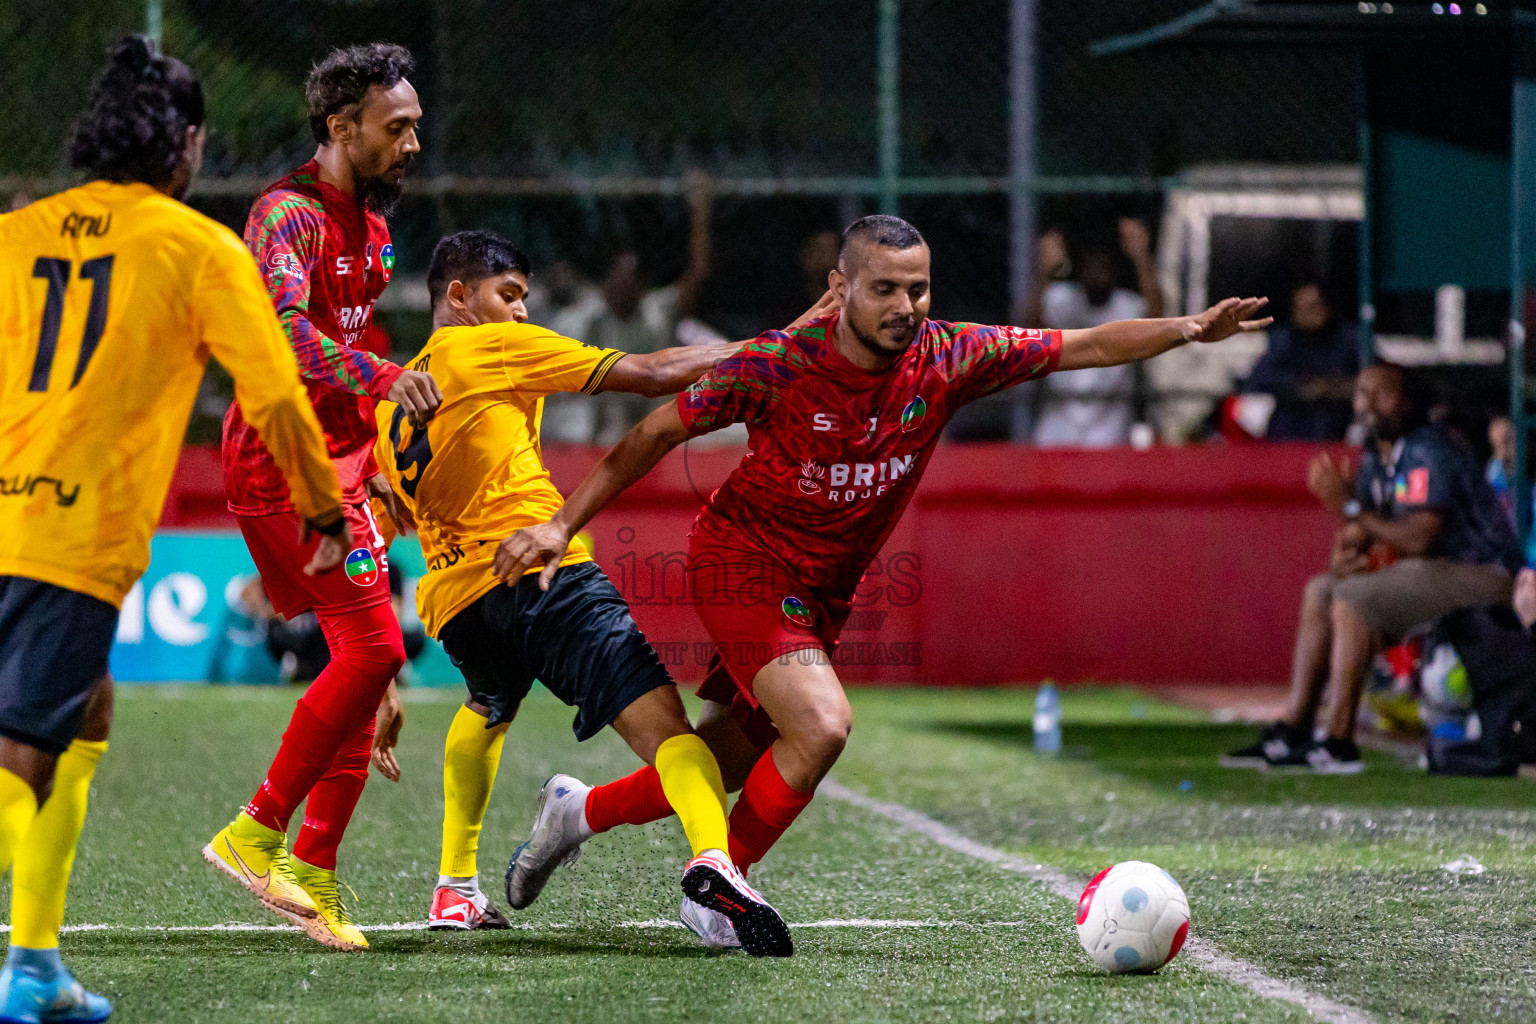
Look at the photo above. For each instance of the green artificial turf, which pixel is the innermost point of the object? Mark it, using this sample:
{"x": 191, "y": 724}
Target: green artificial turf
{"x": 1334, "y": 884}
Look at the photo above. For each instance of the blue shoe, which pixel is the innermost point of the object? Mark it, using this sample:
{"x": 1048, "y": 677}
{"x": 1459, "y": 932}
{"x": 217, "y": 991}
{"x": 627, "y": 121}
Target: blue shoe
{"x": 26, "y": 998}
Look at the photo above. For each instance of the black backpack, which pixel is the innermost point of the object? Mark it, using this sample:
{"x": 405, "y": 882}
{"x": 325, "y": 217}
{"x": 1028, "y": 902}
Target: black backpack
{"x": 1500, "y": 659}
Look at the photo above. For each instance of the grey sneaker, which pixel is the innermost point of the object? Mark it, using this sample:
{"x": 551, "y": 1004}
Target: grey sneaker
{"x": 559, "y": 829}
{"x": 713, "y": 928}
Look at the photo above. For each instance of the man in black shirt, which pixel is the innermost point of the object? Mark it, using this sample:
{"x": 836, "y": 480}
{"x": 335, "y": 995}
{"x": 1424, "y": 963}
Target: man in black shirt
{"x": 1308, "y": 368}
{"x": 1421, "y": 498}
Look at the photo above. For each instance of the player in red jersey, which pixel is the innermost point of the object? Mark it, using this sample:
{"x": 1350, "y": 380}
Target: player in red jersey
{"x": 844, "y": 414}
{"x": 321, "y": 242}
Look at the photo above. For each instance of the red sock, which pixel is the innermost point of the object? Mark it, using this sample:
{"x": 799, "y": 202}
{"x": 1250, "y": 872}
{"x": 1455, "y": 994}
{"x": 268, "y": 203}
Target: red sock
{"x": 633, "y": 800}
{"x": 333, "y": 799}
{"x": 366, "y": 652}
{"x": 766, "y": 807}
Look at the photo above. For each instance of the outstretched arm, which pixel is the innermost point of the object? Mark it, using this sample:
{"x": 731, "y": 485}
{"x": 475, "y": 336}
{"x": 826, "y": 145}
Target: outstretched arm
{"x": 670, "y": 370}
{"x": 633, "y": 457}
{"x": 1126, "y": 341}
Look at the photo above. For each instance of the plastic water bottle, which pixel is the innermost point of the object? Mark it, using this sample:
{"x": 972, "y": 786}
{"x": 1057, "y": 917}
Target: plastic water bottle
{"x": 1048, "y": 721}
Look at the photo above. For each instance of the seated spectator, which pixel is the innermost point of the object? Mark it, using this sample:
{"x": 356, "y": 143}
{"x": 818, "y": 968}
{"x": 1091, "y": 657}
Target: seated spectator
{"x": 1309, "y": 369}
{"x": 1419, "y": 504}
{"x": 1091, "y": 408}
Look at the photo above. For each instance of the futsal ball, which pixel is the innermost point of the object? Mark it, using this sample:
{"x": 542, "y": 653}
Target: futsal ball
{"x": 1132, "y": 917}
{"x": 1443, "y": 682}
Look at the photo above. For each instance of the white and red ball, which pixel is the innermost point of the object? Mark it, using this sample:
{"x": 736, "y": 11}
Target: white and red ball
{"x": 1132, "y": 917}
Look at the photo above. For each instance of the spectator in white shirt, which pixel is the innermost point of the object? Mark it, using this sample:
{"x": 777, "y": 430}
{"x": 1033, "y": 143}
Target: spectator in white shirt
{"x": 1090, "y": 408}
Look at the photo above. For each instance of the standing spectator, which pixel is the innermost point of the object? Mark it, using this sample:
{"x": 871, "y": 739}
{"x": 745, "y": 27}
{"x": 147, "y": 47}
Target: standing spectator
{"x": 1309, "y": 369}
{"x": 1419, "y": 498}
{"x": 1091, "y": 408}
{"x": 1501, "y": 474}
{"x": 815, "y": 258}
{"x": 563, "y": 300}
{"x": 636, "y": 318}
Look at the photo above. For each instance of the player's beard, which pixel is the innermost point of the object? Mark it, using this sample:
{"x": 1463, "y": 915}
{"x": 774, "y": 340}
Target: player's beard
{"x": 872, "y": 341}
{"x": 381, "y": 195}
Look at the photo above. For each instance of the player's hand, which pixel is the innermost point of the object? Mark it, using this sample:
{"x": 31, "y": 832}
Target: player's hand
{"x": 416, "y": 392}
{"x": 1351, "y": 551}
{"x": 1226, "y": 318}
{"x": 1329, "y": 481}
{"x": 377, "y": 486}
{"x": 1135, "y": 240}
{"x": 331, "y": 551}
{"x": 528, "y": 548}
{"x": 826, "y": 304}
{"x": 386, "y": 733}
{"x": 1050, "y": 253}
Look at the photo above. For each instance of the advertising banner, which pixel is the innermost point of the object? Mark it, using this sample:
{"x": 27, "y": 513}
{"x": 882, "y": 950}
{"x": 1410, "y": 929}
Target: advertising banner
{"x": 198, "y": 615}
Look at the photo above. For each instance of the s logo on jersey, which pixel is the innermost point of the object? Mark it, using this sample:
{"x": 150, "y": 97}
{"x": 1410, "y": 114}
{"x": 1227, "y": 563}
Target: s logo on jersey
{"x": 913, "y": 413}
{"x": 797, "y": 614}
{"x": 281, "y": 262}
{"x": 387, "y": 260}
{"x": 361, "y": 568}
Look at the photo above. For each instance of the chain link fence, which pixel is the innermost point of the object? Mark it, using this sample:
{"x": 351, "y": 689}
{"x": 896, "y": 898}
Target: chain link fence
{"x": 574, "y": 128}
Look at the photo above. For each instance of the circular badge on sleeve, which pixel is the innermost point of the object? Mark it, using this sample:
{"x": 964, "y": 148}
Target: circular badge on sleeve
{"x": 361, "y": 567}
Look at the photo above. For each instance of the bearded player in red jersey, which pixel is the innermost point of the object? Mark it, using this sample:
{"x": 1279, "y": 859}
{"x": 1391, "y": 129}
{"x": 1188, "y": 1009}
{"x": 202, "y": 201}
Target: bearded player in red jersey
{"x": 844, "y": 414}
{"x": 320, "y": 240}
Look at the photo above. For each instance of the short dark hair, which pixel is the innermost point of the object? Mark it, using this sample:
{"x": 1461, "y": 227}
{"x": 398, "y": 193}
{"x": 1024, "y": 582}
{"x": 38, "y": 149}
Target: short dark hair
{"x": 471, "y": 257}
{"x": 135, "y": 127}
{"x": 338, "y": 84}
{"x": 879, "y": 229}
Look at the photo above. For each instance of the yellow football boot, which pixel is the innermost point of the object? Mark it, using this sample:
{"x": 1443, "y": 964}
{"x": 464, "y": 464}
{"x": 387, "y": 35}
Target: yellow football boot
{"x": 333, "y": 926}
{"x": 257, "y": 858}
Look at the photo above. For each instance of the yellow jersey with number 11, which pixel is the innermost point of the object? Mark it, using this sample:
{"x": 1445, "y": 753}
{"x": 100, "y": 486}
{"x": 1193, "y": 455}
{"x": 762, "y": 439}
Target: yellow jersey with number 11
{"x": 112, "y": 297}
{"x": 476, "y": 474}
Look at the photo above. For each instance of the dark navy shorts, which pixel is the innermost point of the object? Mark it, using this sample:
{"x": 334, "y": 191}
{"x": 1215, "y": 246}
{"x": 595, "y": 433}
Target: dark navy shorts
{"x": 577, "y": 638}
{"x": 54, "y": 645}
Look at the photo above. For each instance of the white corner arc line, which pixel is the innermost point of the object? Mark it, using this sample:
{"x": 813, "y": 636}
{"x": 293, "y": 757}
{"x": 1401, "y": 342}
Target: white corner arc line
{"x": 1204, "y": 952}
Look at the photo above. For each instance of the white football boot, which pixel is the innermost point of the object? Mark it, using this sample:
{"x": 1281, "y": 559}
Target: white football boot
{"x": 713, "y": 928}
{"x": 559, "y": 829}
{"x": 714, "y": 883}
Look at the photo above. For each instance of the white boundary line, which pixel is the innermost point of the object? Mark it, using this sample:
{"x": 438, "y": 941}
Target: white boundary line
{"x": 419, "y": 926}
{"x": 1204, "y": 952}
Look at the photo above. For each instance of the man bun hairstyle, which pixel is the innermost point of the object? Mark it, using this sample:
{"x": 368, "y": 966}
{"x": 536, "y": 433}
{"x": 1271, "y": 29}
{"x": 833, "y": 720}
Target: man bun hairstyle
{"x": 471, "y": 257}
{"x": 141, "y": 106}
{"x": 879, "y": 229}
{"x": 338, "y": 84}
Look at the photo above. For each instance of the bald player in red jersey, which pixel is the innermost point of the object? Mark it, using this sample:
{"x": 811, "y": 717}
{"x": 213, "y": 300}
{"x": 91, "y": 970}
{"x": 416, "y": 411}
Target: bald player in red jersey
{"x": 323, "y": 248}
{"x": 843, "y": 415}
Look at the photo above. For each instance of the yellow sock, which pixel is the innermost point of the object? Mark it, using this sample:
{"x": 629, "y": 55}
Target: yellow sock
{"x": 18, "y": 808}
{"x": 690, "y": 776}
{"x": 40, "y": 876}
{"x": 470, "y": 759}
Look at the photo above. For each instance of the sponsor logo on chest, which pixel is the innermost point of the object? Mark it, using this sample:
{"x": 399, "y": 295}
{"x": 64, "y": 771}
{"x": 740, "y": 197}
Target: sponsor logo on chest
{"x": 844, "y": 482}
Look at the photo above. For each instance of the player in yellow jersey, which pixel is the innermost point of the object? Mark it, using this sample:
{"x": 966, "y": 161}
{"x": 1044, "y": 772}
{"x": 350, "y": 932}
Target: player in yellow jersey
{"x": 471, "y": 478}
{"x": 112, "y": 297}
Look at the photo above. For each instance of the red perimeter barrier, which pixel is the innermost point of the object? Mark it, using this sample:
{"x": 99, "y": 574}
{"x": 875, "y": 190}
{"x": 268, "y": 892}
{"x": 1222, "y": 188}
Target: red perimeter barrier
{"x": 1012, "y": 564}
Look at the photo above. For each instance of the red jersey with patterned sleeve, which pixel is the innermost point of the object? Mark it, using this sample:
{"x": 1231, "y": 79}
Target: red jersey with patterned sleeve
{"x": 835, "y": 452}
{"x": 325, "y": 258}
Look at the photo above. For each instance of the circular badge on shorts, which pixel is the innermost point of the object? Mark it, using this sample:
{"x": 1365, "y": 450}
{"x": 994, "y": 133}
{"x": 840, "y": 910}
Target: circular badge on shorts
{"x": 797, "y": 614}
{"x": 361, "y": 568}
